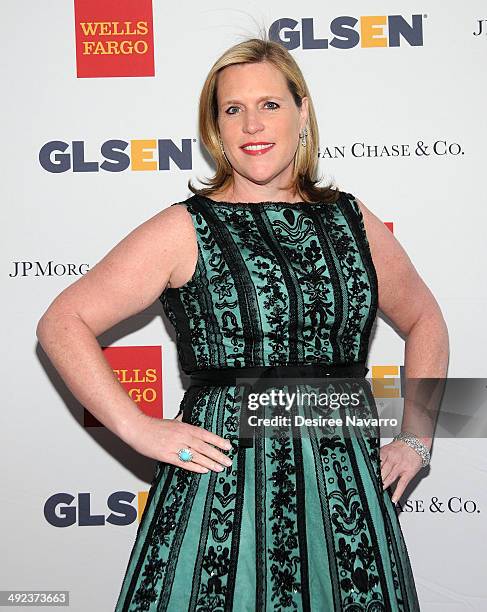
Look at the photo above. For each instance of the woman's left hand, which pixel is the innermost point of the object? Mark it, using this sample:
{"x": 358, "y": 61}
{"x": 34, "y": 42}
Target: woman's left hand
{"x": 398, "y": 460}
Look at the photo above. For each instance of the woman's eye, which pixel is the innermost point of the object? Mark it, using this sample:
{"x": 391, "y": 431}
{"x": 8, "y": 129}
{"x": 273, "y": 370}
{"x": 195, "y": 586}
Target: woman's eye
{"x": 276, "y": 105}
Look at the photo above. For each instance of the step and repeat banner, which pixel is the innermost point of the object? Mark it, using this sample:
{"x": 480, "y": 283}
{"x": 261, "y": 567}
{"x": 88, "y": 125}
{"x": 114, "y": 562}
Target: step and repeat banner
{"x": 99, "y": 112}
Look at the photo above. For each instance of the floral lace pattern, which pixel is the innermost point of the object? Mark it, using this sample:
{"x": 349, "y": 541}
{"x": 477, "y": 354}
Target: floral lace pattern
{"x": 299, "y": 521}
{"x": 275, "y": 284}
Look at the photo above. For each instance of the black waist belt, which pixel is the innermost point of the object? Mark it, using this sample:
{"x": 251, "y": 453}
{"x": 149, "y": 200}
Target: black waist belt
{"x": 231, "y": 376}
{"x": 228, "y": 376}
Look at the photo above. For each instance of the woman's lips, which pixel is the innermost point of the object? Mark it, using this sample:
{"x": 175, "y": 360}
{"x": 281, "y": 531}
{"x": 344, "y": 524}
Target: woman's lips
{"x": 259, "y": 151}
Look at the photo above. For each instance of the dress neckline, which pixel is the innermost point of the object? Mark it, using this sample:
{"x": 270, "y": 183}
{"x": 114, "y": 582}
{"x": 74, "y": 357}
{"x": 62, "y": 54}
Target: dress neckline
{"x": 262, "y": 203}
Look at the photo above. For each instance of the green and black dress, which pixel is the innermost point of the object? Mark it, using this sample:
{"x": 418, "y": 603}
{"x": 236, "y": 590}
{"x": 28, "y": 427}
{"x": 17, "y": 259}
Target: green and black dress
{"x": 299, "y": 522}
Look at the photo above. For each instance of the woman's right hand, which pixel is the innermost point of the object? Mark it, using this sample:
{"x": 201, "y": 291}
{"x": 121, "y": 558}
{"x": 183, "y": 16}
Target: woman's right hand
{"x": 161, "y": 439}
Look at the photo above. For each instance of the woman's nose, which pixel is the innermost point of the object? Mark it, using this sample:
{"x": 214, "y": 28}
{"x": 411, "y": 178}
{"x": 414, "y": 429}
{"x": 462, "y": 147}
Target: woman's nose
{"x": 252, "y": 122}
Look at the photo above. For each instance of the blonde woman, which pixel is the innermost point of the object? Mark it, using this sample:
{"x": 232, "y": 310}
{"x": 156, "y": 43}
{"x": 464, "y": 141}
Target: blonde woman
{"x": 264, "y": 274}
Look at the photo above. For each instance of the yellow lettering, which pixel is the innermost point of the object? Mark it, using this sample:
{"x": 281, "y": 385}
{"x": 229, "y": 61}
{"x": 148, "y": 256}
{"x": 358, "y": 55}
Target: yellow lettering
{"x": 115, "y": 30}
{"x": 89, "y": 28}
{"x": 87, "y": 47}
{"x": 142, "y": 27}
{"x": 141, "y": 154}
{"x": 128, "y": 32}
{"x": 141, "y": 503}
{"x": 112, "y": 46}
{"x": 100, "y": 49}
{"x": 150, "y": 375}
{"x": 383, "y": 386}
{"x": 105, "y": 28}
{"x": 371, "y": 31}
{"x": 141, "y": 47}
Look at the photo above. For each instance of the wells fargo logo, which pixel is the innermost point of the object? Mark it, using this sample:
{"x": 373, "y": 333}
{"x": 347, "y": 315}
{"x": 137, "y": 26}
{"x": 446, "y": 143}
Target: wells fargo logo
{"x": 114, "y": 38}
{"x": 139, "y": 370}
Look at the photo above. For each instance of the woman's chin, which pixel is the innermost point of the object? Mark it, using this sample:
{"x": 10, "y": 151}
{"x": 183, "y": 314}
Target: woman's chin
{"x": 261, "y": 175}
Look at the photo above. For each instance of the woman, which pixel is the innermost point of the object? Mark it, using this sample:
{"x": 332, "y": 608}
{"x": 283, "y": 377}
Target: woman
{"x": 263, "y": 274}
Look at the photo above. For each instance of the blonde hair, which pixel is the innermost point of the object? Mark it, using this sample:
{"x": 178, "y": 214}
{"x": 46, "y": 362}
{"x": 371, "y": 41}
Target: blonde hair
{"x": 253, "y": 50}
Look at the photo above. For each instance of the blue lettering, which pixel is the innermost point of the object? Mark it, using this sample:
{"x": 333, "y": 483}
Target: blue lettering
{"x": 309, "y": 41}
{"x": 291, "y": 39}
{"x": 181, "y": 157}
{"x": 62, "y": 160}
{"x": 344, "y": 27}
{"x": 119, "y": 502}
{"x": 114, "y": 150}
{"x": 57, "y": 511}
{"x": 79, "y": 163}
{"x": 398, "y": 27}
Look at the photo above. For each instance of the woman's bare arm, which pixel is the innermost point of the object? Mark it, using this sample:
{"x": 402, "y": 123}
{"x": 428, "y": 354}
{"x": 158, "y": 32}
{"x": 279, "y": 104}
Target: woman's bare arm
{"x": 126, "y": 281}
{"x": 406, "y": 300}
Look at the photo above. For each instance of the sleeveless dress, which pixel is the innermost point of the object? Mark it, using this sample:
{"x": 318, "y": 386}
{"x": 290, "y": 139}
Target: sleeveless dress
{"x": 298, "y": 523}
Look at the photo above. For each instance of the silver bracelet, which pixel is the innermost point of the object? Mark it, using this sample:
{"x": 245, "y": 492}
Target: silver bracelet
{"x": 412, "y": 441}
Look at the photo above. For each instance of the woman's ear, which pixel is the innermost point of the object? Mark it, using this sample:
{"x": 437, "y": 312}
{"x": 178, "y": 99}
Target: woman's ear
{"x": 304, "y": 111}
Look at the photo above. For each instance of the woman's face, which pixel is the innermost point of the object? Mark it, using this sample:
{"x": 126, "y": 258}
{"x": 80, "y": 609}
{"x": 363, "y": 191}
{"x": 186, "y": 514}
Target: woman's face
{"x": 256, "y": 106}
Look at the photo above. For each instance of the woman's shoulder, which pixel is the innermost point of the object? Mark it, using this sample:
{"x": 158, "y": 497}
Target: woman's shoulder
{"x": 191, "y": 204}
{"x": 347, "y": 198}
{"x": 363, "y": 212}
{"x": 172, "y": 222}
{"x": 347, "y": 202}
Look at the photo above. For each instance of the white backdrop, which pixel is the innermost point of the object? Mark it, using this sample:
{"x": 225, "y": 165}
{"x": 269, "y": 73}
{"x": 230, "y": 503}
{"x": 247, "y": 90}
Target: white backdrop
{"x": 366, "y": 97}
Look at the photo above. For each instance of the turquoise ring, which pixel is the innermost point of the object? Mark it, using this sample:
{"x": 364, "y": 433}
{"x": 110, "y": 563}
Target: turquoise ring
{"x": 185, "y": 454}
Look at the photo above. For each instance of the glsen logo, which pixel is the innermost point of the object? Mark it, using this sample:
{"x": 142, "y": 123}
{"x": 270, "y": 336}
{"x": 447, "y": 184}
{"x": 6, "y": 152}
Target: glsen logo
{"x": 114, "y": 38}
{"x": 348, "y": 32}
{"x": 57, "y": 156}
{"x": 387, "y": 381}
{"x": 139, "y": 370}
{"x": 65, "y": 510}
